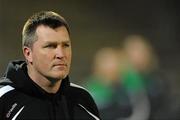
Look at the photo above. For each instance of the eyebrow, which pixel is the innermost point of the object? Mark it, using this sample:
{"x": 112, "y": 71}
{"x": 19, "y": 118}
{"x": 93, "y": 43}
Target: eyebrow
{"x": 55, "y": 42}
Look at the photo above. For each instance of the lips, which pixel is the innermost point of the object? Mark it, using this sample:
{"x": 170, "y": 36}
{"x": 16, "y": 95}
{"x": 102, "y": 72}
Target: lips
{"x": 60, "y": 65}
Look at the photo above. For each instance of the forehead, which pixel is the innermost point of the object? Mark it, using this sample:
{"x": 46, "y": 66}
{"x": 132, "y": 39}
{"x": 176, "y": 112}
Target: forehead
{"x": 47, "y": 34}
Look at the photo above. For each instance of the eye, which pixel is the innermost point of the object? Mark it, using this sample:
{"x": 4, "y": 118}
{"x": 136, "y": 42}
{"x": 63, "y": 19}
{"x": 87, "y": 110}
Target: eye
{"x": 66, "y": 45}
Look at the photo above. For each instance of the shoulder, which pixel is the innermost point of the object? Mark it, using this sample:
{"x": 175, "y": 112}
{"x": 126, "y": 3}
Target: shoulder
{"x": 5, "y": 95}
{"x": 79, "y": 92}
{"x": 79, "y": 95}
{"x": 5, "y": 86}
{"x": 5, "y": 90}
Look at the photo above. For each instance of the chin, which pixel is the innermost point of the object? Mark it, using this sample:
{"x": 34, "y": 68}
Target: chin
{"x": 60, "y": 77}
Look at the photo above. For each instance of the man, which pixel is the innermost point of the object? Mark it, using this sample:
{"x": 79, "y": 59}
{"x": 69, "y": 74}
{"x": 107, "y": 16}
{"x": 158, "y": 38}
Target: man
{"x": 39, "y": 88}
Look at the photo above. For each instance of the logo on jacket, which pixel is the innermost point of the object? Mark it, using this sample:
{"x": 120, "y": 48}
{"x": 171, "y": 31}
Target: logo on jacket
{"x": 12, "y": 109}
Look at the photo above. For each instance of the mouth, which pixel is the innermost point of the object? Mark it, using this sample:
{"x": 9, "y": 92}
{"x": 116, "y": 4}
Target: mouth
{"x": 60, "y": 66}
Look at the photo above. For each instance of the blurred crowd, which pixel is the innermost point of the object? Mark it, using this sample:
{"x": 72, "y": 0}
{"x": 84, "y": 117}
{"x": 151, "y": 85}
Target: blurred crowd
{"x": 127, "y": 83}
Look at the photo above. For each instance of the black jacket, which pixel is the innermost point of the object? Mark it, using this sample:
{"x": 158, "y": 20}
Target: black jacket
{"x": 22, "y": 99}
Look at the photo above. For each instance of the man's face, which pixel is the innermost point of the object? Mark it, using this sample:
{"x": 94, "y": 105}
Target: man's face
{"x": 50, "y": 55}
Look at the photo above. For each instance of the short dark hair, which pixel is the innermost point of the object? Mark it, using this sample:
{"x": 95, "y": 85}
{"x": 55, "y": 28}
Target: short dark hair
{"x": 47, "y": 18}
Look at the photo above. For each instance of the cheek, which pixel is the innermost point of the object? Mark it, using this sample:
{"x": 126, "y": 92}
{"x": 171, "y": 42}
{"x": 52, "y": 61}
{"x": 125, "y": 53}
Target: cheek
{"x": 69, "y": 56}
{"x": 41, "y": 59}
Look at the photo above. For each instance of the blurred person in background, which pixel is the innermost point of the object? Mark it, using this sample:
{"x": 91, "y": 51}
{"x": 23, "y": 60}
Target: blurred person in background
{"x": 145, "y": 85}
{"x": 39, "y": 88}
{"x": 103, "y": 80}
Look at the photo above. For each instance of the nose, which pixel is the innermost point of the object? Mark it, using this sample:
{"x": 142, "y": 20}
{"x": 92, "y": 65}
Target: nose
{"x": 60, "y": 53}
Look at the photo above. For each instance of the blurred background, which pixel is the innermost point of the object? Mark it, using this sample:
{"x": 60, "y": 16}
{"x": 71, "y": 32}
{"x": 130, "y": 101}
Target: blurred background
{"x": 97, "y": 24}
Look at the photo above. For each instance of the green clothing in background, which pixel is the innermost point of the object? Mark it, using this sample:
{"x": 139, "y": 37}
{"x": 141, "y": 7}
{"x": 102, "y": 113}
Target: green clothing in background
{"x": 102, "y": 93}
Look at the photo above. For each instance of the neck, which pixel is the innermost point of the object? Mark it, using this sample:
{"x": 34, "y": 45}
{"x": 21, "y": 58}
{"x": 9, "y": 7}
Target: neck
{"x": 49, "y": 85}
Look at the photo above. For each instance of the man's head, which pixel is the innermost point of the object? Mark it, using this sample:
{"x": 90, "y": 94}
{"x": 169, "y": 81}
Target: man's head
{"x": 47, "y": 46}
{"x": 47, "y": 18}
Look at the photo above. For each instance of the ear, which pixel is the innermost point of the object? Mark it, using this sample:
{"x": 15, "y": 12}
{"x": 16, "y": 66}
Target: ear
{"x": 27, "y": 54}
